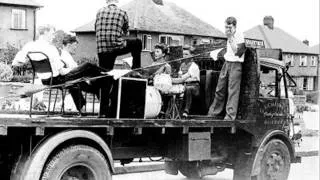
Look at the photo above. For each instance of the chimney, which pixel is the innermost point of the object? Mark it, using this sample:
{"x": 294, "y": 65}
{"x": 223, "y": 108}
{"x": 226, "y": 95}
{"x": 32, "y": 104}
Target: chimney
{"x": 158, "y": 2}
{"x": 268, "y": 21}
{"x": 306, "y": 42}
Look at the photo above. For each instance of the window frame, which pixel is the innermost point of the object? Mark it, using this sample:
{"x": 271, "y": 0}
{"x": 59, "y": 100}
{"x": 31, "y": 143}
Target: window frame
{"x": 146, "y": 44}
{"x": 22, "y": 25}
{"x": 277, "y": 89}
{"x": 305, "y": 83}
{"x": 290, "y": 59}
{"x": 170, "y": 38}
{"x": 313, "y": 61}
{"x": 303, "y": 61}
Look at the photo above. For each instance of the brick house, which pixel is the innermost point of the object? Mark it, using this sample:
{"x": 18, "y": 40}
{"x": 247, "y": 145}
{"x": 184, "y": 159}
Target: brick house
{"x": 316, "y": 49}
{"x": 155, "y": 21}
{"x": 17, "y": 22}
{"x": 304, "y": 62}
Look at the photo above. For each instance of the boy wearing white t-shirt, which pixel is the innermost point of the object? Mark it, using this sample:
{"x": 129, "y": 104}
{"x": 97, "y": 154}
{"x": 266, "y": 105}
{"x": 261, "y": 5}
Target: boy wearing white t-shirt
{"x": 230, "y": 75}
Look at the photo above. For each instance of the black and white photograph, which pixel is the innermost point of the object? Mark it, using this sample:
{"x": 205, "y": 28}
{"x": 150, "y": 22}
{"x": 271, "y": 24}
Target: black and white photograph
{"x": 159, "y": 89}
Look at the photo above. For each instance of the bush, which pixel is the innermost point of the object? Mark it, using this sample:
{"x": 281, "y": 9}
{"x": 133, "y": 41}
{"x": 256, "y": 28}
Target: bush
{"x": 297, "y": 91}
{"x": 82, "y": 60}
{"x": 6, "y": 72}
{"x": 313, "y": 97}
{"x": 302, "y": 108}
{"x": 23, "y": 79}
{"x": 7, "y": 55}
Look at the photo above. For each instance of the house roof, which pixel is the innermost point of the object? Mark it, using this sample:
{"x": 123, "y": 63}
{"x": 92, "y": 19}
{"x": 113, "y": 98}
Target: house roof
{"x": 316, "y": 49}
{"x": 145, "y": 15}
{"x": 31, "y": 3}
{"x": 277, "y": 38}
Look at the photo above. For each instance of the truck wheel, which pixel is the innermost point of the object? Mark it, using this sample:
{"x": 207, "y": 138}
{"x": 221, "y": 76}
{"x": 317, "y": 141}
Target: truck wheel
{"x": 190, "y": 170}
{"x": 275, "y": 163}
{"x": 79, "y": 162}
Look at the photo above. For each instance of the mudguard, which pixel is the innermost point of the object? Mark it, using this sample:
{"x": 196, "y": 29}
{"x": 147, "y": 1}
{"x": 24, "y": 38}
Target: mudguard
{"x": 38, "y": 158}
{"x": 274, "y": 134}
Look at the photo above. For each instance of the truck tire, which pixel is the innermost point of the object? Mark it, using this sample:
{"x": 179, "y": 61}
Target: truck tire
{"x": 190, "y": 170}
{"x": 79, "y": 162}
{"x": 275, "y": 163}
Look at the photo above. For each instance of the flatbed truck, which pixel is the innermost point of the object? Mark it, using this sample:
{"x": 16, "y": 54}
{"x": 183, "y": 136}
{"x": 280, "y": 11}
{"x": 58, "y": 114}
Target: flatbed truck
{"x": 256, "y": 145}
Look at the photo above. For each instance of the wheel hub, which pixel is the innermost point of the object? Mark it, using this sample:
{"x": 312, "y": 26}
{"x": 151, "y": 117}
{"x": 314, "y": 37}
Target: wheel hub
{"x": 275, "y": 165}
{"x": 78, "y": 173}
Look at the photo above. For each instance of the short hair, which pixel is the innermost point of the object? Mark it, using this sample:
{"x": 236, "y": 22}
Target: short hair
{"x": 163, "y": 48}
{"x": 112, "y": 1}
{"x": 69, "y": 39}
{"x": 231, "y": 20}
{"x": 266, "y": 18}
{"x": 189, "y": 48}
{"x": 45, "y": 28}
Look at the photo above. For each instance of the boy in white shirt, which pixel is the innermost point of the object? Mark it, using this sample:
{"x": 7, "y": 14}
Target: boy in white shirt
{"x": 231, "y": 73}
{"x": 189, "y": 74}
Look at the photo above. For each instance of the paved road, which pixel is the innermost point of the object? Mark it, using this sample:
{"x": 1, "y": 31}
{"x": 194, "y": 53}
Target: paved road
{"x": 307, "y": 170}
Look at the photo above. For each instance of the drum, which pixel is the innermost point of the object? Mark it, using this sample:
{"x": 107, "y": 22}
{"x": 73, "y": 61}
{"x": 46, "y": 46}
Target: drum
{"x": 153, "y": 102}
{"x": 162, "y": 82}
{"x": 176, "y": 89}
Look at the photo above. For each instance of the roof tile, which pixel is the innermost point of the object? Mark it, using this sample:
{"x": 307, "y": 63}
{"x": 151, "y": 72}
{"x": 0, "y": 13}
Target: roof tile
{"x": 21, "y": 2}
{"x": 145, "y": 15}
{"x": 277, "y": 38}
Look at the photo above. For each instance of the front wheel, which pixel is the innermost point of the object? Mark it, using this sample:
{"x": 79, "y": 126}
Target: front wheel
{"x": 275, "y": 163}
{"x": 79, "y": 162}
{"x": 272, "y": 163}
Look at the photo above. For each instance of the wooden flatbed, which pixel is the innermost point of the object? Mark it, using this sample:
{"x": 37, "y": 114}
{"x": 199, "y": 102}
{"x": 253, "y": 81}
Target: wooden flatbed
{"x": 42, "y": 121}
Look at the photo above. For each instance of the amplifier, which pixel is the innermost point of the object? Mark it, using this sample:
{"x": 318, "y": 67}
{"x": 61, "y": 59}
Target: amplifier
{"x": 129, "y": 97}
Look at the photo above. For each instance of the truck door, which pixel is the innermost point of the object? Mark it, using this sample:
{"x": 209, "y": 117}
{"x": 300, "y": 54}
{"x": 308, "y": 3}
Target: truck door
{"x": 273, "y": 100}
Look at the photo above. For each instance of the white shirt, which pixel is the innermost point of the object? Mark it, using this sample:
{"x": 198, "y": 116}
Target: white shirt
{"x": 193, "y": 73}
{"x": 44, "y": 47}
{"x": 233, "y": 42}
{"x": 69, "y": 62}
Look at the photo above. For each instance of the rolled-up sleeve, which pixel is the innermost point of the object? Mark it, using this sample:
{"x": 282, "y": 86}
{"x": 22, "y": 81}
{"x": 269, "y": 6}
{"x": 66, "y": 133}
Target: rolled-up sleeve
{"x": 125, "y": 26}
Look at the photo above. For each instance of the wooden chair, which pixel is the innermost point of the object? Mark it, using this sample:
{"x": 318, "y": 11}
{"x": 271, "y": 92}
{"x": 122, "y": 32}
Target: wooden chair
{"x": 40, "y": 64}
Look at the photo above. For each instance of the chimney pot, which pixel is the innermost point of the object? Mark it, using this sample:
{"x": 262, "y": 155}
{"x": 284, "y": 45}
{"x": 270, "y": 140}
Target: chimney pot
{"x": 306, "y": 42}
{"x": 158, "y": 2}
{"x": 269, "y": 22}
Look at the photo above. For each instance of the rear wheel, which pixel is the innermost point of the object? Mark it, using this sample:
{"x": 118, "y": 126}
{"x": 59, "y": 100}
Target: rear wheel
{"x": 78, "y": 162}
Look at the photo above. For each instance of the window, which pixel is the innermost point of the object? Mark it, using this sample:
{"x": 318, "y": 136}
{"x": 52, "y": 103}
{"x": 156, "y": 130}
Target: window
{"x": 163, "y": 40}
{"x": 313, "y": 61}
{"x": 205, "y": 41}
{"x": 289, "y": 58}
{"x": 18, "y": 19}
{"x": 305, "y": 83}
{"x": 299, "y": 82}
{"x": 146, "y": 42}
{"x": 194, "y": 42}
{"x": 310, "y": 84}
{"x": 171, "y": 40}
{"x": 268, "y": 82}
{"x": 303, "y": 60}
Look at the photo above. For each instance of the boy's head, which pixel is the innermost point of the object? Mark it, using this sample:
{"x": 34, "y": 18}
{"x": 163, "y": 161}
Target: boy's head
{"x": 160, "y": 50}
{"x": 70, "y": 43}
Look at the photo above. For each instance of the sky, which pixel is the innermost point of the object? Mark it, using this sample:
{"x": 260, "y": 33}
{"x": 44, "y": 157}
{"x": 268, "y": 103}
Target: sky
{"x": 300, "y": 18}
